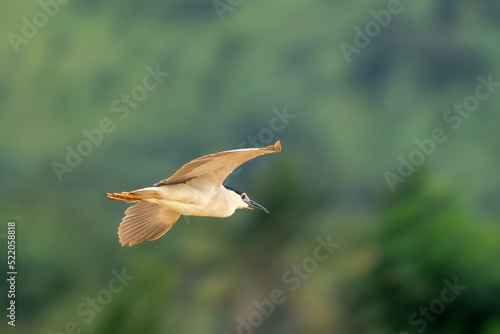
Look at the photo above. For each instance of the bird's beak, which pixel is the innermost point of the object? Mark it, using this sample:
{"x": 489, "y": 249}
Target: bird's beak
{"x": 256, "y": 206}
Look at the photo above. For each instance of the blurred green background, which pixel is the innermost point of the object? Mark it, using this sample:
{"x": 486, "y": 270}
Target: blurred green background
{"x": 233, "y": 66}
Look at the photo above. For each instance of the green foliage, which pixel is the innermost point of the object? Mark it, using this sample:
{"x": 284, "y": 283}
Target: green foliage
{"x": 352, "y": 120}
{"x": 428, "y": 238}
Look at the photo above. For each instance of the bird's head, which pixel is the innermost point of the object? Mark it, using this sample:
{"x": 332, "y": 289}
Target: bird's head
{"x": 244, "y": 202}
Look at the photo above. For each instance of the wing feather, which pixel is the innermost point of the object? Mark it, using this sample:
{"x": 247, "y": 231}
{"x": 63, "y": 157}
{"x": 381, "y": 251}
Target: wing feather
{"x": 145, "y": 221}
{"x": 217, "y": 166}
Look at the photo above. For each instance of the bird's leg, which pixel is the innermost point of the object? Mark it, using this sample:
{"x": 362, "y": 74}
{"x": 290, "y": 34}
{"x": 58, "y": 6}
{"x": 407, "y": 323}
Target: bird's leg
{"x": 124, "y": 196}
{"x": 136, "y": 195}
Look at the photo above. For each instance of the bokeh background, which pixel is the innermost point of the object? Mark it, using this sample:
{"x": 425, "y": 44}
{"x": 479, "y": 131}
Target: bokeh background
{"x": 233, "y": 67}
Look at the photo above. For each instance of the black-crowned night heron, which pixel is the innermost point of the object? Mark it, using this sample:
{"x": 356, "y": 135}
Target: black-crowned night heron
{"x": 194, "y": 190}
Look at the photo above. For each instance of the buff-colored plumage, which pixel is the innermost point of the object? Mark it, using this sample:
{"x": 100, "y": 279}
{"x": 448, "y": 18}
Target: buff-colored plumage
{"x": 195, "y": 189}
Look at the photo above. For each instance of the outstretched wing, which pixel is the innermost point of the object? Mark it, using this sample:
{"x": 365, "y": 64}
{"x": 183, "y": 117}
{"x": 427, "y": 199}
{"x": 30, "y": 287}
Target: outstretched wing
{"x": 145, "y": 221}
{"x": 216, "y": 167}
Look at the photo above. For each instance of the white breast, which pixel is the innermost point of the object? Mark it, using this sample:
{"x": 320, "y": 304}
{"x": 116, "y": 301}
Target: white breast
{"x": 190, "y": 201}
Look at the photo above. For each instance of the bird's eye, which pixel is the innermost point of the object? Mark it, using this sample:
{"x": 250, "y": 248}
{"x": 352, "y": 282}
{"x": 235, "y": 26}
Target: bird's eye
{"x": 243, "y": 196}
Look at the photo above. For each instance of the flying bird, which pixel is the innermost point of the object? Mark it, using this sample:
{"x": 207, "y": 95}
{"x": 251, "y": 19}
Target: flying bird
{"x": 194, "y": 190}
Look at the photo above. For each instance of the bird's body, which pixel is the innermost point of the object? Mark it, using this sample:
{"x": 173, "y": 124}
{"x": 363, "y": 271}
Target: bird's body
{"x": 190, "y": 201}
{"x": 194, "y": 190}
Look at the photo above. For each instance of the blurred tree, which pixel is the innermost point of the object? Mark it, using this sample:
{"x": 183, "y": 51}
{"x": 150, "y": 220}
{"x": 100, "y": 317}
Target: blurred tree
{"x": 428, "y": 242}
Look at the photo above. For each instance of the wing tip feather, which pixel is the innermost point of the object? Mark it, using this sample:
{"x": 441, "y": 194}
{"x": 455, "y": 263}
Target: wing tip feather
{"x": 275, "y": 148}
